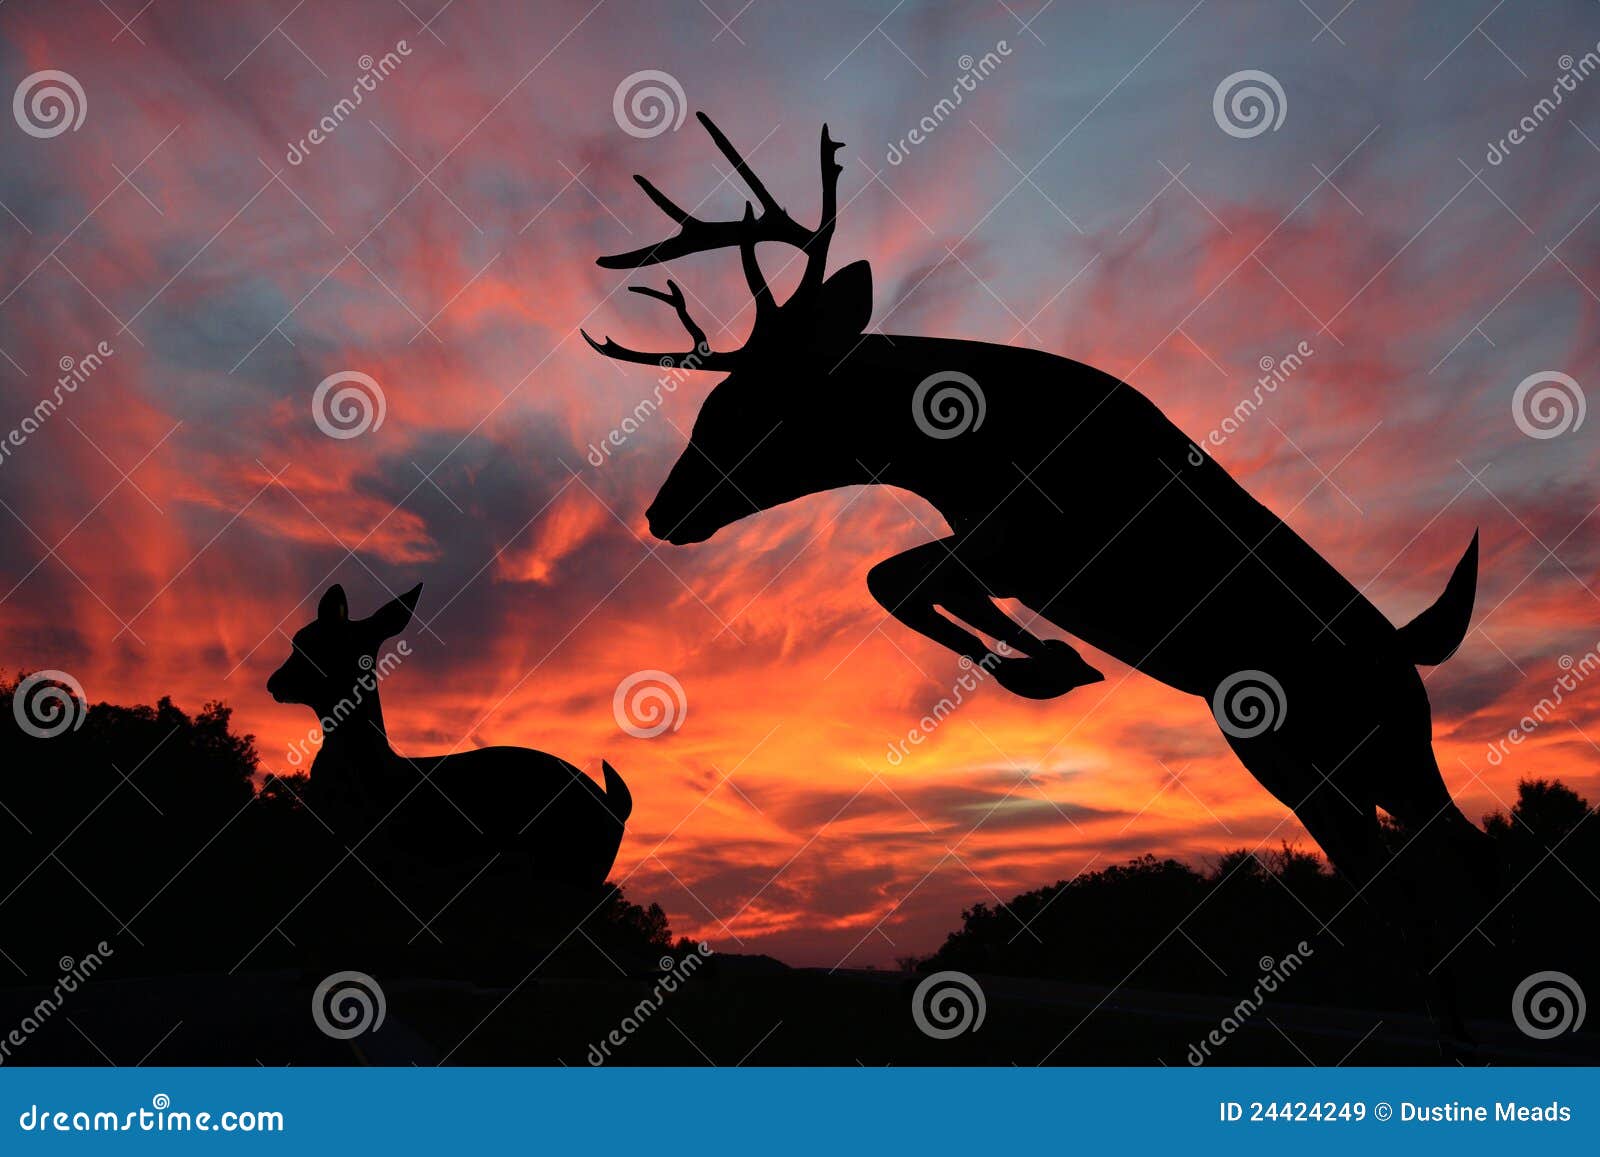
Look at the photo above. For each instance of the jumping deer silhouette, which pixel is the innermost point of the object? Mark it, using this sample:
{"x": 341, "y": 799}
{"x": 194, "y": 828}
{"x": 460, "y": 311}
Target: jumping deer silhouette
{"x": 539, "y": 811}
{"x": 1069, "y": 491}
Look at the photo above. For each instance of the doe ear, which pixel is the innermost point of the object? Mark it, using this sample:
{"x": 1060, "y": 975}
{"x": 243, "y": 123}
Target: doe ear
{"x": 333, "y": 608}
{"x": 394, "y": 616}
{"x": 847, "y": 299}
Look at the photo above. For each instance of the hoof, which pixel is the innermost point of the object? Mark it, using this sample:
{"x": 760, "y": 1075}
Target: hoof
{"x": 1052, "y": 673}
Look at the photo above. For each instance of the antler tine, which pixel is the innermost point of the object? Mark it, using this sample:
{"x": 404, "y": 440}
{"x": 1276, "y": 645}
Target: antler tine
{"x": 696, "y": 359}
{"x": 698, "y": 236}
{"x": 817, "y": 247}
{"x": 760, "y": 291}
{"x": 741, "y": 166}
{"x": 700, "y": 357}
{"x": 673, "y": 296}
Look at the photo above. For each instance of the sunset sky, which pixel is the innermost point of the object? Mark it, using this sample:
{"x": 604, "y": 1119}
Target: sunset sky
{"x": 178, "y": 517}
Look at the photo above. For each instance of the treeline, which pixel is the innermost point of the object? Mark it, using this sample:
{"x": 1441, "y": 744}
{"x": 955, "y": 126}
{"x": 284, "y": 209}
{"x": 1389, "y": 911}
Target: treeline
{"x": 1165, "y": 925}
{"x": 152, "y": 830}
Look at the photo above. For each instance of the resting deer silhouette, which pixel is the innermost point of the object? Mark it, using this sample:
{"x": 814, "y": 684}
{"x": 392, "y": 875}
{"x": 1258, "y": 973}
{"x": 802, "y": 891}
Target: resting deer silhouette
{"x": 537, "y": 809}
{"x": 1067, "y": 490}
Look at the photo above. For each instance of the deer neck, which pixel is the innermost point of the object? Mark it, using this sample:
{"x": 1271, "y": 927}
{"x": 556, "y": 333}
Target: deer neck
{"x": 354, "y": 736}
{"x": 883, "y": 445}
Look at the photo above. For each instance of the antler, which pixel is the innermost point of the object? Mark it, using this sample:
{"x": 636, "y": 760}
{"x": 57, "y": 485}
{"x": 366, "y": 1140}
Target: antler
{"x": 695, "y": 235}
{"x": 700, "y": 357}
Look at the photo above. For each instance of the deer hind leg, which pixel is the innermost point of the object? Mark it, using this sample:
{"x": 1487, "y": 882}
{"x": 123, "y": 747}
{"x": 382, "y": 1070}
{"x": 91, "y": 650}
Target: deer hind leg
{"x": 915, "y": 585}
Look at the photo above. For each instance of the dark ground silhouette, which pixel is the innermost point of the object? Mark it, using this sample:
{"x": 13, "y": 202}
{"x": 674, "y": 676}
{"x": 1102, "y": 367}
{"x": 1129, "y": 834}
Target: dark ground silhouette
{"x": 1100, "y": 928}
{"x": 145, "y": 829}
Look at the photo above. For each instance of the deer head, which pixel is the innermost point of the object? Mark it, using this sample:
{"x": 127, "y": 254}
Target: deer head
{"x": 334, "y": 653}
{"x": 769, "y": 400}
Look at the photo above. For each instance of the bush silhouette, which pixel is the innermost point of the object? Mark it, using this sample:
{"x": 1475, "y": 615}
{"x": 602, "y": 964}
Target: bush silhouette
{"x": 1161, "y": 924}
{"x": 154, "y": 830}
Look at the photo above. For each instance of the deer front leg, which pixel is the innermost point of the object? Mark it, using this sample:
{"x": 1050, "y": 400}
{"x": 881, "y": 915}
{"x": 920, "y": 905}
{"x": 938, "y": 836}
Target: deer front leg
{"x": 914, "y": 585}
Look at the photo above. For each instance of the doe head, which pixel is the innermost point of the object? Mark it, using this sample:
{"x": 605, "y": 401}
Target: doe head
{"x": 333, "y": 652}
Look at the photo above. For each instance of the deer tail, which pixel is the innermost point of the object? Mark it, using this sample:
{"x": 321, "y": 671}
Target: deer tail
{"x": 618, "y": 798}
{"x": 1433, "y": 636}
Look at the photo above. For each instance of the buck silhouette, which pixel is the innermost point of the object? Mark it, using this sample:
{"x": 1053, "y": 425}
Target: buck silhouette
{"x": 540, "y": 811}
{"x": 1067, "y": 490}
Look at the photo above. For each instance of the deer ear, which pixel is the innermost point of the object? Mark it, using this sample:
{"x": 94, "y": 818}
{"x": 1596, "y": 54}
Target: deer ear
{"x": 333, "y": 608}
{"x": 847, "y": 299}
{"x": 394, "y": 616}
